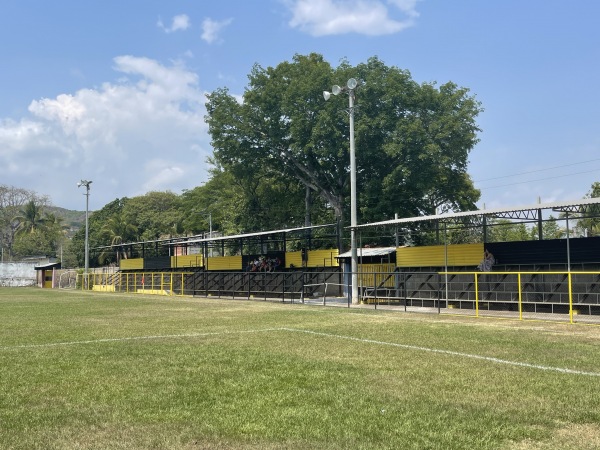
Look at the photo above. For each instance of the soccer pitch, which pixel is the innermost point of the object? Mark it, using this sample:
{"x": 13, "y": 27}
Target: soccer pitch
{"x": 83, "y": 370}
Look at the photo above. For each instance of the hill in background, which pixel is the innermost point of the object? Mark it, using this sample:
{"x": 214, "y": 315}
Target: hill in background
{"x": 72, "y": 219}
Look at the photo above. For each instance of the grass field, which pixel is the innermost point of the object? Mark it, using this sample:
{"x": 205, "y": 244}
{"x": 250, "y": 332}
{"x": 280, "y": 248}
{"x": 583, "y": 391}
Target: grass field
{"x": 81, "y": 370}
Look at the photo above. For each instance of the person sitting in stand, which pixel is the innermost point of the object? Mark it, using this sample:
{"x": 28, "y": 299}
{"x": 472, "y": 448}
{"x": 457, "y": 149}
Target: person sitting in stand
{"x": 488, "y": 261}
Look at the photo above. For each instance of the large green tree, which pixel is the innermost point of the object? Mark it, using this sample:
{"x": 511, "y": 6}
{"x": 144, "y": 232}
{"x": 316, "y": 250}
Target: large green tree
{"x": 412, "y": 140}
{"x": 550, "y": 230}
{"x": 12, "y": 202}
{"x": 118, "y": 231}
{"x": 505, "y": 230}
{"x": 38, "y": 232}
{"x": 155, "y": 214}
{"x": 97, "y": 238}
{"x": 152, "y": 216}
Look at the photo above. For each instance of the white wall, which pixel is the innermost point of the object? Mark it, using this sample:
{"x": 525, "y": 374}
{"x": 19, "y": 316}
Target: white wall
{"x": 17, "y": 274}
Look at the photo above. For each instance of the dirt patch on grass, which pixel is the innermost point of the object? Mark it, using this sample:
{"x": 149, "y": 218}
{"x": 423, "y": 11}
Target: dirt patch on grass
{"x": 566, "y": 437}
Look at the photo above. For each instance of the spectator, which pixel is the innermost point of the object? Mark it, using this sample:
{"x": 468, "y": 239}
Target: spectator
{"x": 488, "y": 261}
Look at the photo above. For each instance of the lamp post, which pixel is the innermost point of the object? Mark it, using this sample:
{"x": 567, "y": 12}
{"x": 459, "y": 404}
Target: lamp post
{"x": 210, "y": 232}
{"x": 209, "y": 214}
{"x": 335, "y": 90}
{"x": 86, "y": 183}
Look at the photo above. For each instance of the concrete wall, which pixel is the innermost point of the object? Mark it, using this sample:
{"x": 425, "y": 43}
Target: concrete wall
{"x": 17, "y": 274}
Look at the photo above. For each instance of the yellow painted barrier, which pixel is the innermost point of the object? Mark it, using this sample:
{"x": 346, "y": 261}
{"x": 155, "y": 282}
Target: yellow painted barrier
{"x": 103, "y": 288}
{"x": 435, "y": 255}
{"x": 224, "y": 263}
{"x": 152, "y": 291}
{"x": 131, "y": 264}
{"x": 182, "y": 261}
{"x": 293, "y": 259}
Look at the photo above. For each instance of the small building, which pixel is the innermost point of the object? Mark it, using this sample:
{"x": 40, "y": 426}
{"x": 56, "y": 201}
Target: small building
{"x": 46, "y": 272}
{"x": 370, "y": 260}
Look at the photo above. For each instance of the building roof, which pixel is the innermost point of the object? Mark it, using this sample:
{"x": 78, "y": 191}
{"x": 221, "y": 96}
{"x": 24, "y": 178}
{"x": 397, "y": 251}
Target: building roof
{"x": 46, "y": 266}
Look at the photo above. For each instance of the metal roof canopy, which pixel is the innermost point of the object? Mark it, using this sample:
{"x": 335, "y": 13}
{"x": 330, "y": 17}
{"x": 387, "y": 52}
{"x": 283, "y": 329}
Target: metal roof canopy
{"x": 46, "y": 266}
{"x": 194, "y": 240}
{"x": 520, "y": 212}
{"x": 128, "y": 244}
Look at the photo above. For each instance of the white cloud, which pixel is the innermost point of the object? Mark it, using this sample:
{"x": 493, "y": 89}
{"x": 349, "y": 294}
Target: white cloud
{"x": 144, "y": 132}
{"x": 180, "y": 22}
{"x": 368, "y": 17}
{"x": 161, "y": 172}
{"x": 212, "y": 28}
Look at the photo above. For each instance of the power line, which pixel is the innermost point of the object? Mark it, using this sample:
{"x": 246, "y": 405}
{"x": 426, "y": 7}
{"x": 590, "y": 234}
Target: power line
{"x": 539, "y": 170}
{"x": 539, "y": 179}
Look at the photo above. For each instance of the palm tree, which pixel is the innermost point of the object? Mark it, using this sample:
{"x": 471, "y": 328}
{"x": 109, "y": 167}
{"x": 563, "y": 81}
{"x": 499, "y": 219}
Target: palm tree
{"x": 55, "y": 222}
{"x": 30, "y": 218}
{"x": 56, "y": 230}
{"x": 117, "y": 231}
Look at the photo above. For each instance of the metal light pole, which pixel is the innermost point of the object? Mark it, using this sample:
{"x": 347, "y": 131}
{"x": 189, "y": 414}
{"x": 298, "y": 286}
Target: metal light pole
{"x": 209, "y": 214}
{"x": 335, "y": 90}
{"x": 86, "y": 183}
{"x": 210, "y": 232}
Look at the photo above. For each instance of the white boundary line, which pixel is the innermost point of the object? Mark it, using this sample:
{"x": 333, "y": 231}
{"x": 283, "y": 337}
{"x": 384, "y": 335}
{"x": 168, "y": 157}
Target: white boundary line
{"x": 315, "y": 333}
{"x": 135, "y": 338}
{"x": 450, "y": 352}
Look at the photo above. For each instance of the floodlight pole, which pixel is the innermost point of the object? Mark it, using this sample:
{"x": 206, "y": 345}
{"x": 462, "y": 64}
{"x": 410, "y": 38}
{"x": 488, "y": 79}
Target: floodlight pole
{"x": 86, "y": 183}
{"x": 350, "y": 87}
{"x": 210, "y": 233}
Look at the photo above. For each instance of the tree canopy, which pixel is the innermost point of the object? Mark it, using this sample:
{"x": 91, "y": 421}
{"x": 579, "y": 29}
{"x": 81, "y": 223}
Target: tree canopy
{"x": 412, "y": 140}
{"x": 27, "y": 228}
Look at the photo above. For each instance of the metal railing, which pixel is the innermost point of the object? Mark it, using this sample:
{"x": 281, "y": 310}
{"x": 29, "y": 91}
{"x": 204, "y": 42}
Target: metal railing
{"x": 572, "y": 296}
{"x": 163, "y": 283}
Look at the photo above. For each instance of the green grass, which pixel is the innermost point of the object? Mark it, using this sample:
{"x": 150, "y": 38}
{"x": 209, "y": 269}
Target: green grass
{"x": 81, "y": 370}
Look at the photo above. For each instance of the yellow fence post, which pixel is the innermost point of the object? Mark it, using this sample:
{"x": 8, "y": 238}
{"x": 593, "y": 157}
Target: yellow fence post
{"x": 520, "y": 296}
{"x": 570, "y": 297}
{"x": 476, "y": 294}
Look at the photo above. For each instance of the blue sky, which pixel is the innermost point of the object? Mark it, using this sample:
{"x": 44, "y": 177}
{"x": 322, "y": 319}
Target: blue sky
{"x": 113, "y": 91}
